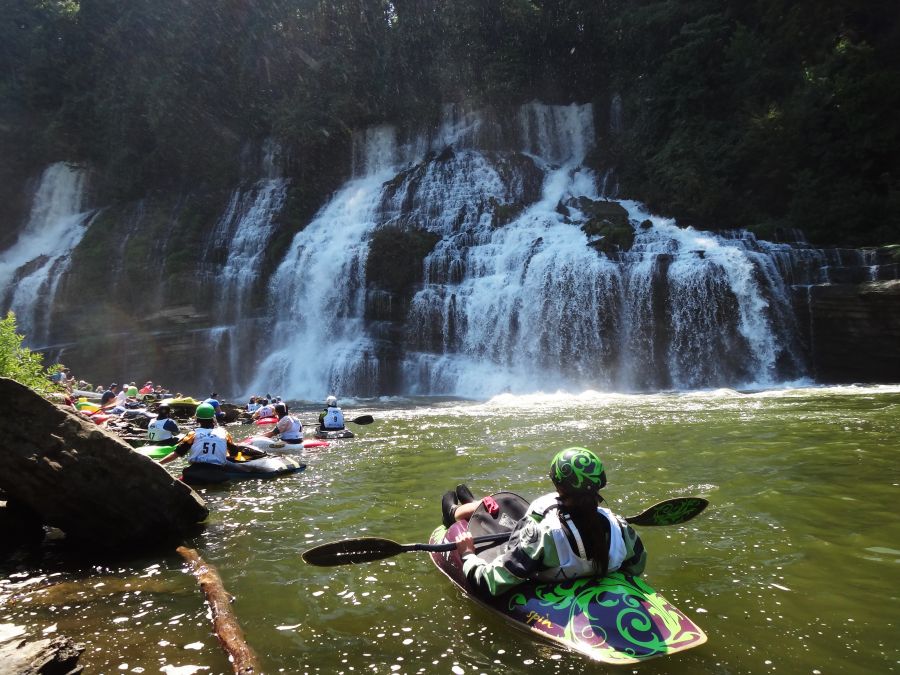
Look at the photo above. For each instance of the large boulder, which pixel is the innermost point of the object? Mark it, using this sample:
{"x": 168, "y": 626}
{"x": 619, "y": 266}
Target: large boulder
{"x": 86, "y": 481}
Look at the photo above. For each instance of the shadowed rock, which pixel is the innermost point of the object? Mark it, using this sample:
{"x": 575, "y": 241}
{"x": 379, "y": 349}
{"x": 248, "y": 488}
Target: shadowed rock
{"x": 86, "y": 481}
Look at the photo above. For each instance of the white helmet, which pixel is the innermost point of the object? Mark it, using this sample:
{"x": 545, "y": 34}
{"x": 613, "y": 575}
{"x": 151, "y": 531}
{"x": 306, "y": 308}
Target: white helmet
{"x": 331, "y": 401}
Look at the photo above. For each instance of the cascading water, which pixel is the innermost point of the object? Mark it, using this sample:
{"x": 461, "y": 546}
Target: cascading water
{"x": 31, "y": 268}
{"x": 515, "y": 297}
{"x": 234, "y": 256}
{"x": 319, "y": 339}
{"x": 537, "y": 279}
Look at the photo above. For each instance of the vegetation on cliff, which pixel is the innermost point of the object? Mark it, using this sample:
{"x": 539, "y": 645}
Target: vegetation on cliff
{"x": 18, "y": 362}
{"x": 766, "y": 114}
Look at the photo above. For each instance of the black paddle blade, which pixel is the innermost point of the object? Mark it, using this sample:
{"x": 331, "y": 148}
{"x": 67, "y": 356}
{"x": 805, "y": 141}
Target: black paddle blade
{"x": 670, "y": 512}
{"x": 351, "y": 551}
{"x": 363, "y": 419}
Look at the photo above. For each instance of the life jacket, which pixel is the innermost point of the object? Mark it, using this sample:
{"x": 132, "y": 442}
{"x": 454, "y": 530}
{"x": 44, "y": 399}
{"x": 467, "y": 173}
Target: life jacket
{"x": 573, "y": 561}
{"x": 156, "y": 430}
{"x": 210, "y": 446}
{"x": 295, "y": 432}
{"x": 333, "y": 419}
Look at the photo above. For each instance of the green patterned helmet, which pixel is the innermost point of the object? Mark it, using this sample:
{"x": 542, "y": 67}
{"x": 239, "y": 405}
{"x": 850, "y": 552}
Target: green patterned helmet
{"x": 577, "y": 470}
{"x": 205, "y": 412}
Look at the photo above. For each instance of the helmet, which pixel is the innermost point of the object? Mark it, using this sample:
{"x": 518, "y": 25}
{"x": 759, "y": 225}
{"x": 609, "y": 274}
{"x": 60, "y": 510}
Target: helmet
{"x": 331, "y": 401}
{"x": 205, "y": 412}
{"x": 280, "y": 409}
{"x": 132, "y": 391}
{"x": 165, "y": 407}
{"x": 577, "y": 470}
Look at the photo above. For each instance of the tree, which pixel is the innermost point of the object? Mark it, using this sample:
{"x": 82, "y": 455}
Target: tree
{"x": 20, "y": 363}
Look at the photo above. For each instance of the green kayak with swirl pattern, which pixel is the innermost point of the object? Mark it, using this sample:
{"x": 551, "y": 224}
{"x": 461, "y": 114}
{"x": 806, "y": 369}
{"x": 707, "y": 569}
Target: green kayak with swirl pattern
{"x": 616, "y": 619}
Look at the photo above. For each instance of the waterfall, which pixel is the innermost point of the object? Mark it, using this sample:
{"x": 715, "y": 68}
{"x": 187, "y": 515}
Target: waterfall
{"x": 319, "y": 343}
{"x": 31, "y": 268}
{"x": 234, "y": 257}
{"x": 516, "y": 296}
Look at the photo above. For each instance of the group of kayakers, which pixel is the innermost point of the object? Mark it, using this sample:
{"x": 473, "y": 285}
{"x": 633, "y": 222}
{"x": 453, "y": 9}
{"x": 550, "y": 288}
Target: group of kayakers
{"x": 212, "y": 444}
{"x": 565, "y": 534}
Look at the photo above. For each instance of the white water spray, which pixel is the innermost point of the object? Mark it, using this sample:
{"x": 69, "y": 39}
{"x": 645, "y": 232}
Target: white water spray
{"x": 515, "y": 298}
{"x": 31, "y": 268}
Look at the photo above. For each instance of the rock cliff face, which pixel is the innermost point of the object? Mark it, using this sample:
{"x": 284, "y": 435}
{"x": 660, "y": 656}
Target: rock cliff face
{"x": 853, "y": 331}
{"x": 85, "y": 481}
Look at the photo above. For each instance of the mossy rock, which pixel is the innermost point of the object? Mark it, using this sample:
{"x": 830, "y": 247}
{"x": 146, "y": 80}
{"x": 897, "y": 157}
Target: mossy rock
{"x": 503, "y": 214}
{"x": 891, "y": 251}
{"x": 395, "y": 258}
{"x": 608, "y": 221}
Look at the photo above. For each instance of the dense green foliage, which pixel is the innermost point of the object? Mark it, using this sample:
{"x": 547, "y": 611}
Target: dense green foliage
{"x": 762, "y": 113}
{"x": 20, "y": 363}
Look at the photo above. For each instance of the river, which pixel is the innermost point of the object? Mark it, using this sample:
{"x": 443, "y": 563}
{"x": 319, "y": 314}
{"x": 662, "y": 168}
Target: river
{"x": 794, "y": 567}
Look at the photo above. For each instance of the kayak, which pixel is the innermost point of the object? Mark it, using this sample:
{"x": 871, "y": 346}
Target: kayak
{"x": 266, "y": 420}
{"x": 184, "y": 401}
{"x": 87, "y": 406}
{"x": 155, "y": 451}
{"x": 266, "y": 443}
{"x": 264, "y": 467}
{"x": 333, "y": 434}
{"x": 616, "y": 619}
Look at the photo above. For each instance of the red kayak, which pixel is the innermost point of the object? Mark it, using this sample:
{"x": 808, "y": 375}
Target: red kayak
{"x": 266, "y": 420}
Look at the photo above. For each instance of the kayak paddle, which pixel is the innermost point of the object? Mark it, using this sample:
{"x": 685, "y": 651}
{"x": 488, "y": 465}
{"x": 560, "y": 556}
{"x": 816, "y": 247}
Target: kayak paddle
{"x": 670, "y": 511}
{"x": 362, "y": 419}
{"x": 369, "y": 549}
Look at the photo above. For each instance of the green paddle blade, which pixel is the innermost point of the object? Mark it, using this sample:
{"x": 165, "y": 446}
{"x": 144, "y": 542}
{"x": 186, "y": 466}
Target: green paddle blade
{"x": 351, "y": 551}
{"x": 670, "y": 512}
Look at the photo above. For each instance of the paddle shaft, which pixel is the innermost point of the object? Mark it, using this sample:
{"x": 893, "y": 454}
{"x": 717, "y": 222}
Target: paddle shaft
{"x": 369, "y": 549}
{"x": 450, "y": 546}
{"x": 362, "y": 419}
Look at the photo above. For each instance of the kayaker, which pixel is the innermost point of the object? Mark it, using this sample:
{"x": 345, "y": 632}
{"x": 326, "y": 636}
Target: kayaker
{"x": 163, "y": 429}
{"x": 290, "y": 428}
{"x": 213, "y": 400}
{"x": 332, "y": 418}
{"x": 564, "y": 535}
{"x": 264, "y": 410}
{"x": 210, "y": 444}
{"x": 108, "y": 398}
{"x": 131, "y": 394}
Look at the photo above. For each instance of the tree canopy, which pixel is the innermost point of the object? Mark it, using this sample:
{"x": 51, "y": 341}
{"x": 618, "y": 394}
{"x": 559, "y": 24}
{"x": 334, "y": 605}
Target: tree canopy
{"x": 762, "y": 113}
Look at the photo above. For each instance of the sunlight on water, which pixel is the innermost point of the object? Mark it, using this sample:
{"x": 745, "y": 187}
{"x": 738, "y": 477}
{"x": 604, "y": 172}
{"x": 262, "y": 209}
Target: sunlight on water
{"x": 791, "y": 569}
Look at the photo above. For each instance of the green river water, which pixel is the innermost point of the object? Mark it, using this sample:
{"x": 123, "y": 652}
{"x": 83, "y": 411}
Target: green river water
{"x": 794, "y": 567}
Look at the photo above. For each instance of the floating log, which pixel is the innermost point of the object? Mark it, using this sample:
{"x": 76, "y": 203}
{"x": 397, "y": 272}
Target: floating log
{"x": 243, "y": 659}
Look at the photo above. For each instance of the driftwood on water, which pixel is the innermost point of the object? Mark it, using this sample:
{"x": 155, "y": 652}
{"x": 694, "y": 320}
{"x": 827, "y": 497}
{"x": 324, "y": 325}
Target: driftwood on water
{"x": 231, "y": 637}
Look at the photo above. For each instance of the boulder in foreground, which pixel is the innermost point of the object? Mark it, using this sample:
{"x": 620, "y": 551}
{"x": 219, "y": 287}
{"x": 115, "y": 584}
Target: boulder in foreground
{"x": 84, "y": 480}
